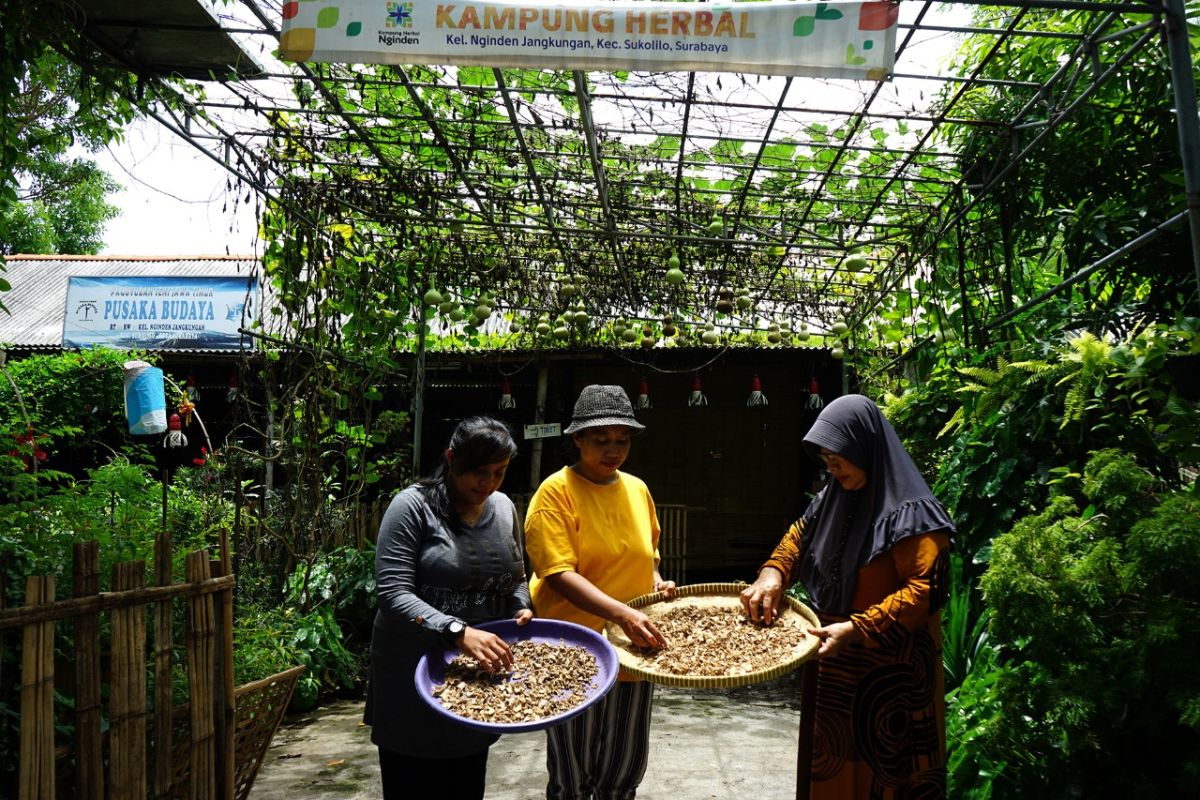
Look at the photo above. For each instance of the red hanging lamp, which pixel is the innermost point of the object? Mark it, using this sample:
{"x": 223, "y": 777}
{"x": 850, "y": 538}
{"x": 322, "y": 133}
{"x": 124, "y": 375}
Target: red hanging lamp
{"x": 643, "y": 398}
{"x": 506, "y": 395}
{"x": 697, "y": 398}
{"x": 814, "y": 395}
{"x": 756, "y": 398}
{"x": 175, "y": 437}
{"x": 191, "y": 390}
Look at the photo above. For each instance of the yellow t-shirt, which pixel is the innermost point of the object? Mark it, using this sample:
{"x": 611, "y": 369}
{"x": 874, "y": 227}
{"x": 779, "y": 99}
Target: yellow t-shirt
{"x": 608, "y": 533}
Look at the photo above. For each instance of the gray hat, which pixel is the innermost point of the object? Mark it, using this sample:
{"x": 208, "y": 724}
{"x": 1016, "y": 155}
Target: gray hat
{"x": 599, "y": 406}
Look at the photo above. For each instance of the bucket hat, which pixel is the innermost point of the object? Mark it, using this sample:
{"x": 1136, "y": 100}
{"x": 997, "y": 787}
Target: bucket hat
{"x": 602, "y": 405}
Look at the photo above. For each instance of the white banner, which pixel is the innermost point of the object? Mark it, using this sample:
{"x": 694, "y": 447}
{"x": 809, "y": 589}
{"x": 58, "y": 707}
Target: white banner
{"x": 185, "y": 313}
{"x": 776, "y": 37}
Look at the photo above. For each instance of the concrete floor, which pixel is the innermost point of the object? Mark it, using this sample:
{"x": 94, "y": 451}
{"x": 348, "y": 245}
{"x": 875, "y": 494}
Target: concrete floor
{"x": 705, "y": 745}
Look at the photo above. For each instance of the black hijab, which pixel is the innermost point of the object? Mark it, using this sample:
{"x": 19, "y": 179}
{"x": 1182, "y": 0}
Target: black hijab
{"x": 844, "y": 530}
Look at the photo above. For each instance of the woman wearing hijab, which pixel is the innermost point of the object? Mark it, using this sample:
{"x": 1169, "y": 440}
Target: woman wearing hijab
{"x": 872, "y": 551}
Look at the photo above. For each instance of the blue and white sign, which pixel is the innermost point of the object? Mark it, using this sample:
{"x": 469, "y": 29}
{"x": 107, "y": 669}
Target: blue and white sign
{"x": 159, "y": 313}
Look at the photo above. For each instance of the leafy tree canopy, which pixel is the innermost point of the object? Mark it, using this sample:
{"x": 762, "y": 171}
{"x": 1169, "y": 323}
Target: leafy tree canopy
{"x": 51, "y": 199}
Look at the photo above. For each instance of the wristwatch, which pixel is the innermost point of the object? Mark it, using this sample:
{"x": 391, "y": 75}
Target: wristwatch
{"x": 452, "y": 630}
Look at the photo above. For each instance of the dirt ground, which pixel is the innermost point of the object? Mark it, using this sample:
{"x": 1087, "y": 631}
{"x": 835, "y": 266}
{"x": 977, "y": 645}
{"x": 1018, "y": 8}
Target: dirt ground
{"x": 705, "y": 745}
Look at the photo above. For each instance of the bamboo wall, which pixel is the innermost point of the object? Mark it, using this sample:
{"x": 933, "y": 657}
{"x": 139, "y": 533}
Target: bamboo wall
{"x": 138, "y": 747}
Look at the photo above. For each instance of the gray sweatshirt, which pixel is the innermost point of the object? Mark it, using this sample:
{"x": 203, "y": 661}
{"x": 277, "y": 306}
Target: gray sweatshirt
{"x": 427, "y": 573}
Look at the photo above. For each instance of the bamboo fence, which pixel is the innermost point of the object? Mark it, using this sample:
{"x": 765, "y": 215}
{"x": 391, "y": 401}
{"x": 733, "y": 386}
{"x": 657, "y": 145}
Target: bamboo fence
{"x": 202, "y": 751}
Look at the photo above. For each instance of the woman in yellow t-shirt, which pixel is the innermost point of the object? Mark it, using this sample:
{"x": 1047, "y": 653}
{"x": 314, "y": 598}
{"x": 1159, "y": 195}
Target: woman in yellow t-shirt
{"x": 592, "y": 537}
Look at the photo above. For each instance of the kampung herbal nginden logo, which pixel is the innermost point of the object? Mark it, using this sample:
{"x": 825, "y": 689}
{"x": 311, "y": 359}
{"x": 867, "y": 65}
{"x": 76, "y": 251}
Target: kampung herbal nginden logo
{"x": 399, "y": 15}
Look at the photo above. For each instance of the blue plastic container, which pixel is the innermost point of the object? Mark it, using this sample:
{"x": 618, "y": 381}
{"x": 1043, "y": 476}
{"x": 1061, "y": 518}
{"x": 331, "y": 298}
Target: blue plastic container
{"x": 145, "y": 398}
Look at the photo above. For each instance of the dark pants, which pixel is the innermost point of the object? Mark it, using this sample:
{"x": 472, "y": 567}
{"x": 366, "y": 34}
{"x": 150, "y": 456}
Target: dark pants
{"x": 411, "y": 778}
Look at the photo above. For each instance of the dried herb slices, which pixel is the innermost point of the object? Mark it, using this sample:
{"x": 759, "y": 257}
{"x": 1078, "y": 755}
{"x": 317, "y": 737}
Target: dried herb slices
{"x": 433, "y": 669}
{"x": 711, "y": 643}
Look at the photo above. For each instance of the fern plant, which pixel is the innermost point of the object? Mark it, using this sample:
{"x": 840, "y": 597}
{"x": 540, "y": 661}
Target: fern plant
{"x": 1088, "y": 360}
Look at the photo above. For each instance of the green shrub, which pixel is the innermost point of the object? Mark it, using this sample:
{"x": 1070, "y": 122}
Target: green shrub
{"x": 1094, "y": 607}
{"x": 75, "y": 400}
{"x": 325, "y": 622}
{"x": 343, "y": 580}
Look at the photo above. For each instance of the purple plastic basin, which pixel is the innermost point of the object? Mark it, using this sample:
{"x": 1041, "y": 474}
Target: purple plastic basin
{"x": 432, "y": 668}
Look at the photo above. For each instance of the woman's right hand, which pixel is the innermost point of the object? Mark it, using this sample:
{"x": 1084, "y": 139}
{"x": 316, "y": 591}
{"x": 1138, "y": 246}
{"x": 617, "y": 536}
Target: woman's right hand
{"x": 640, "y": 629}
{"x": 760, "y": 599}
{"x": 492, "y": 652}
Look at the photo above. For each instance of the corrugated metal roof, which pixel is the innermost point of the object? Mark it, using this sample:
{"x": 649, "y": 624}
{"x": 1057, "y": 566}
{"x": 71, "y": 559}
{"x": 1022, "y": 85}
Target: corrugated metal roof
{"x": 38, "y": 300}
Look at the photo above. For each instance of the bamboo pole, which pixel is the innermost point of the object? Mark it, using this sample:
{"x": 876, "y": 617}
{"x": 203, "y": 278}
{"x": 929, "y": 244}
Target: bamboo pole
{"x": 164, "y": 727}
{"x": 202, "y": 769}
{"x": 63, "y": 609}
{"x": 89, "y": 755}
{"x": 127, "y": 698}
{"x": 225, "y": 707}
{"x": 37, "y": 698}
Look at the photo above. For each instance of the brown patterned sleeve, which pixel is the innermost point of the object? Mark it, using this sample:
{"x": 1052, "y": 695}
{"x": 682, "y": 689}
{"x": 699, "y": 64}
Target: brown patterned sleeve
{"x": 787, "y": 553}
{"x": 920, "y": 563}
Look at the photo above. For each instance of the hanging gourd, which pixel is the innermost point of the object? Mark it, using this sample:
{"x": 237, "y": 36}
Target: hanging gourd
{"x": 674, "y": 274}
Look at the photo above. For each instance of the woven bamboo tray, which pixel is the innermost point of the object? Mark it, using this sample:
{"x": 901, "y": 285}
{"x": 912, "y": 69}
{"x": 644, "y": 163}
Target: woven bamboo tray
{"x": 793, "y": 613}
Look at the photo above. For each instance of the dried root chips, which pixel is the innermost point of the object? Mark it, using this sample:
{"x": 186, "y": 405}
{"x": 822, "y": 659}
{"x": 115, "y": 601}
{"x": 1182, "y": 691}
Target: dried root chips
{"x": 718, "y": 641}
{"x": 546, "y": 680}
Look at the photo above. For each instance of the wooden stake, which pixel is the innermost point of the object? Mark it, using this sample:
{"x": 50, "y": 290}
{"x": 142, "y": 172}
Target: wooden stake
{"x": 89, "y": 755}
{"x": 164, "y": 727}
{"x": 127, "y": 699}
{"x": 225, "y": 707}
{"x": 202, "y": 773}
{"x": 37, "y": 698}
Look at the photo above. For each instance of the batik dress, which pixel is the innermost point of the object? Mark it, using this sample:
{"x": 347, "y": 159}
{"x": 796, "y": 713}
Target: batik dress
{"x": 881, "y": 710}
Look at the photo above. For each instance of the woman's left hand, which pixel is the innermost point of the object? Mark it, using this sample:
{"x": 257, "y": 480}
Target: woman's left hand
{"x": 666, "y": 587}
{"x": 492, "y": 652}
{"x": 835, "y": 638}
{"x": 523, "y": 616}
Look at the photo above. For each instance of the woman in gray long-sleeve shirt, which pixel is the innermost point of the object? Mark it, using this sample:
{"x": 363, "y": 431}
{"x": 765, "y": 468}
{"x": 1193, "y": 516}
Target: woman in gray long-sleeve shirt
{"x": 450, "y": 554}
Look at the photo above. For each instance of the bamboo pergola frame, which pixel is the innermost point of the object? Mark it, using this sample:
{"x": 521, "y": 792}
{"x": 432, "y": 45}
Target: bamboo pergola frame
{"x": 530, "y": 180}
